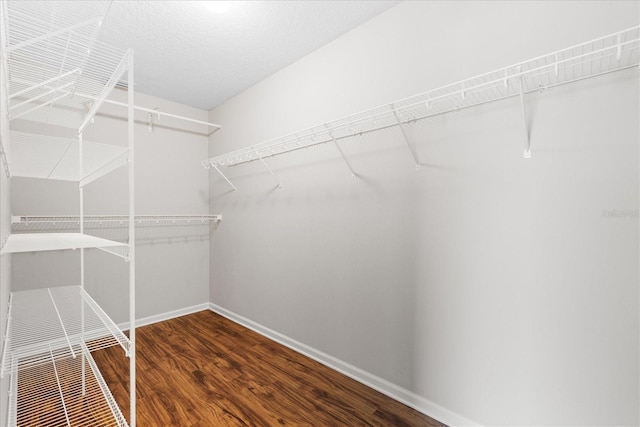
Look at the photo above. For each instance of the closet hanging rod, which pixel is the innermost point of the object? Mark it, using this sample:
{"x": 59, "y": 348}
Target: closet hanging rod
{"x": 151, "y": 111}
{"x": 157, "y": 112}
{"x": 614, "y": 52}
{"x": 26, "y": 220}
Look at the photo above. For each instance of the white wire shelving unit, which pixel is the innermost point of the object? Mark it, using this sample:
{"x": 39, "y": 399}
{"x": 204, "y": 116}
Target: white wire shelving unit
{"x": 73, "y": 386}
{"x": 48, "y": 157}
{"x": 21, "y": 224}
{"x": 53, "y": 323}
{"x": 52, "y": 59}
{"x": 59, "y": 61}
{"x": 604, "y": 55}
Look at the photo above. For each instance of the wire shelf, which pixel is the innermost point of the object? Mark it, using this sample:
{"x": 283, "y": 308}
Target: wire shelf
{"x": 600, "y": 56}
{"x": 63, "y": 391}
{"x": 72, "y": 222}
{"x": 53, "y": 57}
{"x": 39, "y": 242}
{"x": 48, "y": 157}
{"x": 52, "y": 323}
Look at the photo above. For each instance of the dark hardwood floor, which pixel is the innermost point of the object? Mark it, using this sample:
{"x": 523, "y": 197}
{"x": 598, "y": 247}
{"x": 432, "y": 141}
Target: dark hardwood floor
{"x": 205, "y": 370}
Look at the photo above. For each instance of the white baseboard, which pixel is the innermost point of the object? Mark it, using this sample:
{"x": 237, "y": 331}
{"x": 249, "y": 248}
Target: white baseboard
{"x": 165, "y": 316}
{"x": 400, "y": 394}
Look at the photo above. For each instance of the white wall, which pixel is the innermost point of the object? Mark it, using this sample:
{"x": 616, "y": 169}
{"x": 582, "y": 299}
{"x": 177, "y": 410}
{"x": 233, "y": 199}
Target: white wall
{"x": 172, "y": 264}
{"x": 496, "y": 289}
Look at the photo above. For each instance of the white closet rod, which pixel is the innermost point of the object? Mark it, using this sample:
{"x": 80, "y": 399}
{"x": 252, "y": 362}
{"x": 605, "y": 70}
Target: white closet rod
{"x": 156, "y": 112}
{"x": 24, "y": 220}
{"x": 614, "y": 52}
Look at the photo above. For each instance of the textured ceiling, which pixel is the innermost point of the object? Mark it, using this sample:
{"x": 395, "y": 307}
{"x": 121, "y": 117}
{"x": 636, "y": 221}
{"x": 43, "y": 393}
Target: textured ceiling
{"x": 188, "y": 54}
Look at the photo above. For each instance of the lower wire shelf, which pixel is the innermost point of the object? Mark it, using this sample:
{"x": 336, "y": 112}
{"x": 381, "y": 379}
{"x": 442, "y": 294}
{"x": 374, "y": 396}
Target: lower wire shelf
{"x": 64, "y": 392}
{"x": 53, "y": 323}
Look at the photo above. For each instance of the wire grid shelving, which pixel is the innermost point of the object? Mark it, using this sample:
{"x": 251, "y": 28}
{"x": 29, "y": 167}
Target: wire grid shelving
{"x": 53, "y": 57}
{"x": 49, "y": 157}
{"x": 52, "y": 323}
{"x": 72, "y": 222}
{"x": 72, "y": 390}
{"x": 51, "y": 60}
{"x": 607, "y": 54}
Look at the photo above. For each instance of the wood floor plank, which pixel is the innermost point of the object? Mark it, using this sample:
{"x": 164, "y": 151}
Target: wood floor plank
{"x": 205, "y": 370}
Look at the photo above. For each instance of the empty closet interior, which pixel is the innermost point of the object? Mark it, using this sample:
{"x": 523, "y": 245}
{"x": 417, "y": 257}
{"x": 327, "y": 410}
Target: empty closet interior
{"x": 438, "y": 201}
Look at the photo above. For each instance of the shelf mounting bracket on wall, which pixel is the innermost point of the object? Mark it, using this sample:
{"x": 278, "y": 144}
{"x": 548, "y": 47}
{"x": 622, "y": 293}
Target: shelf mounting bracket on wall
{"x": 607, "y": 54}
{"x": 270, "y": 171}
{"x": 412, "y": 149}
{"x": 221, "y": 174}
{"x": 333, "y": 138}
{"x": 527, "y": 138}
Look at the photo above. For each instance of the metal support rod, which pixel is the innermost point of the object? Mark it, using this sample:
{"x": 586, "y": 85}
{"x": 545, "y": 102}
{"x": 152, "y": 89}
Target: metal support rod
{"x": 158, "y": 113}
{"x": 618, "y": 48}
{"x": 132, "y": 242}
{"x": 64, "y": 330}
{"x": 55, "y": 371}
{"x": 45, "y": 83}
{"x": 222, "y": 175}
{"x": 42, "y": 95}
{"x": 3, "y": 158}
{"x": 23, "y": 113}
{"x": 406, "y": 138}
{"x": 108, "y": 87}
{"x": 13, "y": 391}
{"x": 81, "y": 192}
{"x": 333, "y": 138}
{"x": 6, "y": 337}
{"x": 527, "y": 150}
{"x": 270, "y": 171}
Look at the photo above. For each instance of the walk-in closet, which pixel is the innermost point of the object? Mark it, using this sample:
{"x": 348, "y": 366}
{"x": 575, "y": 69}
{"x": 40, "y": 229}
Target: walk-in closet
{"x": 319, "y": 213}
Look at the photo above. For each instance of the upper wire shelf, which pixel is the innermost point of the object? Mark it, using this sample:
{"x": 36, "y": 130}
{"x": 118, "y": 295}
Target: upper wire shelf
{"x": 600, "y": 56}
{"x": 53, "y": 57}
{"x": 50, "y": 323}
{"x": 48, "y": 157}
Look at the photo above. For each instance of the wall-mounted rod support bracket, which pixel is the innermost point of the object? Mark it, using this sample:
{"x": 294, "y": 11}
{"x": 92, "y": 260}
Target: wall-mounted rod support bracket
{"x": 406, "y": 138}
{"x": 527, "y": 147}
{"x": 270, "y": 171}
{"x": 333, "y": 138}
{"x": 222, "y": 175}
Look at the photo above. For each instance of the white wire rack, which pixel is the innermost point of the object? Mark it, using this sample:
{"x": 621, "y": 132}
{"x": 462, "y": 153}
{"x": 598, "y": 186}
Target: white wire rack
{"x": 53, "y": 323}
{"x": 72, "y": 222}
{"x": 600, "y": 56}
{"x": 53, "y": 57}
{"x": 48, "y": 157}
{"x": 37, "y": 242}
{"x": 63, "y": 391}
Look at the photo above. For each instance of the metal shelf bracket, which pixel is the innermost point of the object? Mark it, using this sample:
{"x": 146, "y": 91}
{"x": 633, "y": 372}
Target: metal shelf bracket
{"x": 279, "y": 186}
{"x": 406, "y": 138}
{"x": 333, "y": 138}
{"x": 527, "y": 138}
{"x": 209, "y": 164}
